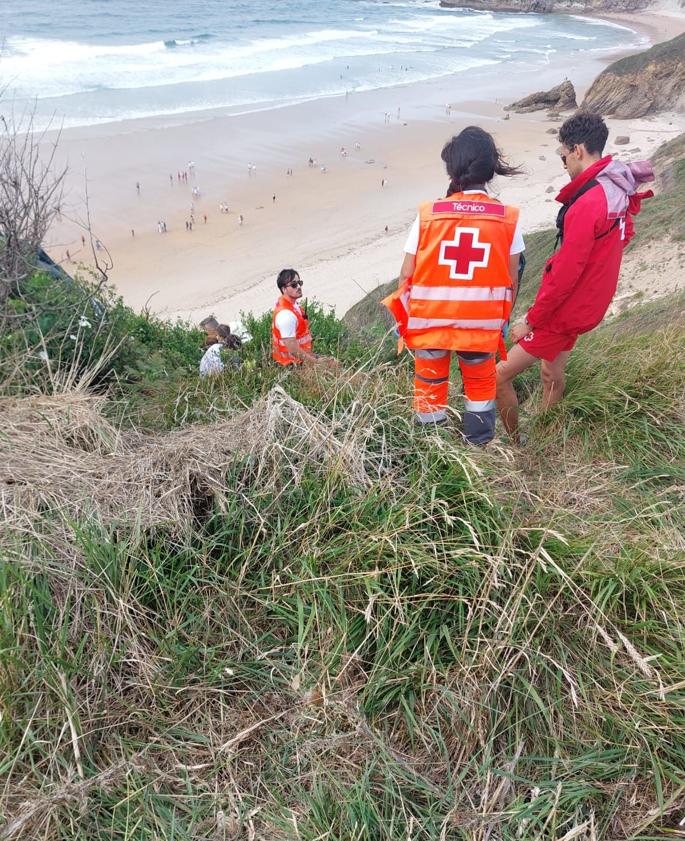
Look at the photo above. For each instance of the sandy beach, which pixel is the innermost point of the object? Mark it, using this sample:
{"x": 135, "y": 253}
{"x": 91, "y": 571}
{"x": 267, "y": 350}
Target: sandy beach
{"x": 342, "y": 228}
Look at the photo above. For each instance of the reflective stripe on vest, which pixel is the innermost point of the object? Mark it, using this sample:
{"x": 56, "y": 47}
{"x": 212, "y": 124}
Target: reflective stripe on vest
{"x": 279, "y": 349}
{"x": 461, "y": 323}
{"x": 461, "y": 292}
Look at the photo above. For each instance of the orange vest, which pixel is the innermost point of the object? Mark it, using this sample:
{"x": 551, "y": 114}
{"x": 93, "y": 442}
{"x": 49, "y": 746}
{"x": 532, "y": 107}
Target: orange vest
{"x": 279, "y": 351}
{"x": 459, "y": 297}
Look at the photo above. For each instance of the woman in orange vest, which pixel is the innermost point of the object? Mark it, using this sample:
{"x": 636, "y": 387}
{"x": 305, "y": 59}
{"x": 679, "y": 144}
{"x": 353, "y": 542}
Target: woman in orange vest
{"x": 458, "y": 282}
{"x": 291, "y": 339}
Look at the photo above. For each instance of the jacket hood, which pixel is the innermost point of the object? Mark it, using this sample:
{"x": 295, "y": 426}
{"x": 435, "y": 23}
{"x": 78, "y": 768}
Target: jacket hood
{"x": 626, "y": 177}
{"x": 619, "y": 182}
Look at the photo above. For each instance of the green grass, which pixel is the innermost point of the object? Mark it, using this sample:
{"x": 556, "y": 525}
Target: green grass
{"x": 464, "y": 646}
{"x": 474, "y": 643}
{"x": 666, "y": 51}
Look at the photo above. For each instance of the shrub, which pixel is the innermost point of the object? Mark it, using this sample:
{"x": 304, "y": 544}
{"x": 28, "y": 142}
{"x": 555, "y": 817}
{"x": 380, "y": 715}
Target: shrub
{"x": 79, "y": 328}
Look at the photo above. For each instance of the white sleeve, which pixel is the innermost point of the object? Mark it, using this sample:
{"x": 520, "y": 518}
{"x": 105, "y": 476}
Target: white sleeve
{"x": 286, "y": 322}
{"x": 517, "y": 244}
{"x": 211, "y": 362}
{"x": 411, "y": 246}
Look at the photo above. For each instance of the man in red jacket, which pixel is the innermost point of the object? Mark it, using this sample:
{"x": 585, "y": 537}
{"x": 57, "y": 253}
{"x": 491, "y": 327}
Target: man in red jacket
{"x": 579, "y": 280}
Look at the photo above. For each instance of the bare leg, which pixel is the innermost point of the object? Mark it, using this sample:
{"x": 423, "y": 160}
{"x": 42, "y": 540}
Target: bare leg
{"x": 553, "y": 381}
{"x": 507, "y": 401}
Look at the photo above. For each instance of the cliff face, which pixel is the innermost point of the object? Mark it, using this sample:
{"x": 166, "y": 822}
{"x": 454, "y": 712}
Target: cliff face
{"x": 642, "y": 84}
{"x": 563, "y": 6}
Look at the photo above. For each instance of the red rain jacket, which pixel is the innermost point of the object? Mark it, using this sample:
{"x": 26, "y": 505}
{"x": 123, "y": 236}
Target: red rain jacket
{"x": 580, "y": 279}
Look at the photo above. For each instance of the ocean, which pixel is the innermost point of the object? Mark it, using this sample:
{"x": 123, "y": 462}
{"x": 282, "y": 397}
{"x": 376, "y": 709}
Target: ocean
{"x": 82, "y": 62}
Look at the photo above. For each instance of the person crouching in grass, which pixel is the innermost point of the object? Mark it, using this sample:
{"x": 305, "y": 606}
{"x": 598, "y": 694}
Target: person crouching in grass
{"x": 211, "y": 363}
{"x": 291, "y": 338}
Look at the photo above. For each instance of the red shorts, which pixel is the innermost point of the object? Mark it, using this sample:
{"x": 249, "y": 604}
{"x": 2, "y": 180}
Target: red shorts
{"x": 546, "y": 345}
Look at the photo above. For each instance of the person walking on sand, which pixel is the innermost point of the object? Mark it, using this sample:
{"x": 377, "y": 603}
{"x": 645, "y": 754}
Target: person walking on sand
{"x": 579, "y": 280}
{"x": 458, "y": 281}
{"x": 291, "y": 338}
{"x": 241, "y": 219}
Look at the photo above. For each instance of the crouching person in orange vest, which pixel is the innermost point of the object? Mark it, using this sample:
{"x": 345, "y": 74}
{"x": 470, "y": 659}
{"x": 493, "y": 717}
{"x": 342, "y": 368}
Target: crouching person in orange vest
{"x": 458, "y": 282}
{"x": 291, "y": 338}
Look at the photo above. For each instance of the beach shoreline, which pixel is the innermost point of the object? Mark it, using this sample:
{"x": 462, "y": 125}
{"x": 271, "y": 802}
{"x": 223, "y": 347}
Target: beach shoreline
{"x": 344, "y": 228}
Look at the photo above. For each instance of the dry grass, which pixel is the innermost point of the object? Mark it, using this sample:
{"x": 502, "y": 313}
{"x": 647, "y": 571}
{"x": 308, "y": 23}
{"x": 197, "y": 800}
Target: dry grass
{"x": 59, "y": 455}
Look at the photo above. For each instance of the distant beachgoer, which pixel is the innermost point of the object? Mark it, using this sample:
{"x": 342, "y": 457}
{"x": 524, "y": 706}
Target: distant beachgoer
{"x": 83, "y": 241}
{"x": 310, "y": 162}
{"x": 323, "y": 169}
{"x": 204, "y": 218}
{"x": 383, "y": 183}
{"x": 98, "y": 245}
{"x": 386, "y": 229}
{"x": 171, "y": 179}
{"x": 164, "y": 227}
{"x": 68, "y": 255}
{"x": 357, "y": 146}
{"x": 273, "y": 198}
{"x": 138, "y": 187}
{"x": 398, "y": 113}
{"x": 240, "y": 219}
{"x": 133, "y": 233}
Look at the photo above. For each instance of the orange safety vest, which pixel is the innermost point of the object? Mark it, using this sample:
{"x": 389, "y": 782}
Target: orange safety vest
{"x": 279, "y": 351}
{"x": 460, "y": 294}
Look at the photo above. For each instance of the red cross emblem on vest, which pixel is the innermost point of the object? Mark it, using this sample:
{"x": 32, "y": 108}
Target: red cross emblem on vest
{"x": 464, "y": 254}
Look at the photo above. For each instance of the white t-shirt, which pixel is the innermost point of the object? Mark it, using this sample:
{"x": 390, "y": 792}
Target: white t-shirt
{"x": 412, "y": 244}
{"x": 211, "y": 362}
{"x": 286, "y": 321}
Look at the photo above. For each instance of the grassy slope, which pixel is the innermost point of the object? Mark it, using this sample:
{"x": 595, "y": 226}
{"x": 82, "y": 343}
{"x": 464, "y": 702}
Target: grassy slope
{"x": 465, "y": 646}
{"x": 666, "y": 51}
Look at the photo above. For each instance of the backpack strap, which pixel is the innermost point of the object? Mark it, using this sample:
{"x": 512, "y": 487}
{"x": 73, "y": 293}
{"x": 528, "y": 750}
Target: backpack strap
{"x": 563, "y": 210}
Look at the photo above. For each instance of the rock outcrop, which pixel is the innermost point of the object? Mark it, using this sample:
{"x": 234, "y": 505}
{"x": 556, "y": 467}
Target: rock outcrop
{"x": 548, "y": 6}
{"x": 642, "y": 84}
{"x": 561, "y": 97}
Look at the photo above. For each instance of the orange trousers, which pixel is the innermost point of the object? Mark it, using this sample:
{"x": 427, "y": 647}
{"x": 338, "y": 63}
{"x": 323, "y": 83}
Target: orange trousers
{"x": 431, "y": 383}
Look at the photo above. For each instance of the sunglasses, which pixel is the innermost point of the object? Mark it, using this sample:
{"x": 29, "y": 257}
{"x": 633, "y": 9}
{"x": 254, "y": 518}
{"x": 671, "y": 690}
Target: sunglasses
{"x": 563, "y": 157}
{"x": 295, "y": 283}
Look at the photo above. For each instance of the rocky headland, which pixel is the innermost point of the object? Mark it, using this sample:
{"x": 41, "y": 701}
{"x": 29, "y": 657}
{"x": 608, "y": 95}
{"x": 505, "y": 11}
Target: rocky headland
{"x": 549, "y": 6}
{"x": 559, "y": 98}
{"x": 642, "y": 84}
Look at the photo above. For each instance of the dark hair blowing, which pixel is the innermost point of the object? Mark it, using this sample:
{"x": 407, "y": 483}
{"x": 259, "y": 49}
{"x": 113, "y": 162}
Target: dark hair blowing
{"x": 472, "y": 159}
{"x": 286, "y": 276}
{"x": 587, "y": 128}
